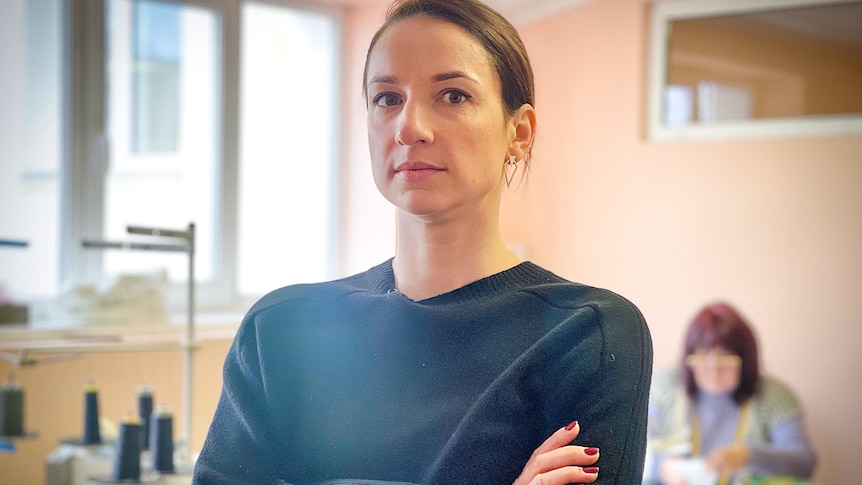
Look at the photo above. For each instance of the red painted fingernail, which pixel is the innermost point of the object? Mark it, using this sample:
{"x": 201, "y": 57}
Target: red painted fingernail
{"x": 571, "y": 425}
{"x": 591, "y": 451}
{"x": 591, "y": 469}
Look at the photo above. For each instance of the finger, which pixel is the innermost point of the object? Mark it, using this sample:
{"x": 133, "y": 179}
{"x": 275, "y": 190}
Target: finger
{"x": 566, "y": 475}
{"x": 563, "y": 457}
{"x": 566, "y": 456}
{"x": 561, "y": 437}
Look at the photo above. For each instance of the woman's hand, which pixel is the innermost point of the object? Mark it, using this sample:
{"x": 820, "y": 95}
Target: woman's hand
{"x": 556, "y": 462}
{"x": 727, "y": 460}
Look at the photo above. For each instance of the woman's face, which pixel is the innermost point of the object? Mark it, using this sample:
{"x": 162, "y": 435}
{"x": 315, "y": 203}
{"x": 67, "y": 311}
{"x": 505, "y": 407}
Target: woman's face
{"x": 715, "y": 370}
{"x": 437, "y": 129}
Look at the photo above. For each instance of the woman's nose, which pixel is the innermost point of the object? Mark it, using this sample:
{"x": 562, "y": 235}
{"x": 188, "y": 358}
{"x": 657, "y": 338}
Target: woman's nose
{"x": 413, "y": 126}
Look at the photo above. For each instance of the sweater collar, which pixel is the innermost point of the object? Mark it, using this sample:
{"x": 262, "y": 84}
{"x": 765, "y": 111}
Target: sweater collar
{"x": 382, "y": 280}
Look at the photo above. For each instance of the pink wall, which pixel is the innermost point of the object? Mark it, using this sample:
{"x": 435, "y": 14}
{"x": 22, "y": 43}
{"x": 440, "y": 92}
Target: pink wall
{"x": 773, "y": 226}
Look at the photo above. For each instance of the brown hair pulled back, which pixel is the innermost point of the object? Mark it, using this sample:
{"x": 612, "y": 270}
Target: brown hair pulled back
{"x": 492, "y": 30}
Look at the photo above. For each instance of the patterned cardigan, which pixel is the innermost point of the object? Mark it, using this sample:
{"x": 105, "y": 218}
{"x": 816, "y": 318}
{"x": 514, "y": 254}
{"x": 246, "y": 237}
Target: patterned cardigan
{"x": 773, "y": 406}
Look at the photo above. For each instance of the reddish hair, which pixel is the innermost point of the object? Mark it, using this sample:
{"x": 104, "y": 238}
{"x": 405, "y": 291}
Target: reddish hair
{"x": 720, "y": 325}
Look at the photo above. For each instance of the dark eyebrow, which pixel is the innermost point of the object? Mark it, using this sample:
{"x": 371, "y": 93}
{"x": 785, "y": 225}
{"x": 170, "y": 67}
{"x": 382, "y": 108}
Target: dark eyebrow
{"x": 437, "y": 77}
{"x": 452, "y": 75}
{"x": 383, "y": 79}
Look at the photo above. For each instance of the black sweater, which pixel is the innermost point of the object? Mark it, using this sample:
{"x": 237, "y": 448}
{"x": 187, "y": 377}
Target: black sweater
{"x": 350, "y": 379}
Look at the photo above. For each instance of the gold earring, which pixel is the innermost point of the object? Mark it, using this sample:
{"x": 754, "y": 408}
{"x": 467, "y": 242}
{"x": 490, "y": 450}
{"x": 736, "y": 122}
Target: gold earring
{"x": 510, "y": 167}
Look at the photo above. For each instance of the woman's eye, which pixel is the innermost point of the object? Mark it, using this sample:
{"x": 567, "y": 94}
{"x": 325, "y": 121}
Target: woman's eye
{"x": 386, "y": 99}
{"x": 455, "y": 96}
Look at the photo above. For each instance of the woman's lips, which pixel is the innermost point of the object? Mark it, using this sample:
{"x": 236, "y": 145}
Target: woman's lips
{"x": 413, "y": 171}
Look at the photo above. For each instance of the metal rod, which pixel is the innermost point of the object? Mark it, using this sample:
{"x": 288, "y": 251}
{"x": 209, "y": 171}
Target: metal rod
{"x": 155, "y": 231}
{"x": 17, "y": 244}
{"x": 189, "y": 349}
{"x": 181, "y": 248}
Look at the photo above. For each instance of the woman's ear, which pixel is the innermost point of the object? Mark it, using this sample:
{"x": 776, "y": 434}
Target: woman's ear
{"x": 523, "y": 130}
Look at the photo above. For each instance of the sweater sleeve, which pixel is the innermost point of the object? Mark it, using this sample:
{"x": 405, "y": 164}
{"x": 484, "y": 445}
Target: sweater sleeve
{"x": 597, "y": 366}
{"x": 237, "y": 446}
{"x": 614, "y": 414}
{"x": 787, "y": 454}
{"x": 786, "y": 451}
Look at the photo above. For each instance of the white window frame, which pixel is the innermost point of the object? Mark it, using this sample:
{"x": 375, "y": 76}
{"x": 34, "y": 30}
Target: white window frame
{"x": 663, "y": 14}
{"x": 84, "y": 170}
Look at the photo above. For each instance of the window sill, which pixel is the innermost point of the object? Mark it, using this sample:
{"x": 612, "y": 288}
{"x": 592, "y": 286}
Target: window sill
{"x": 144, "y": 336}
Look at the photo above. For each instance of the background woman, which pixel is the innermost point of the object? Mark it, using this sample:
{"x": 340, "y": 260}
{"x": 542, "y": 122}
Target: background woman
{"x": 716, "y": 415}
{"x": 453, "y": 362}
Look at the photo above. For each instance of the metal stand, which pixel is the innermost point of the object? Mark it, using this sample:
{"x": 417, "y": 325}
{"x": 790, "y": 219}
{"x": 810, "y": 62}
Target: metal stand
{"x": 189, "y": 345}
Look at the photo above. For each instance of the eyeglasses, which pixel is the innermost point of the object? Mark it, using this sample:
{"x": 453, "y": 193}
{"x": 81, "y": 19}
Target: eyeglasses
{"x": 720, "y": 362}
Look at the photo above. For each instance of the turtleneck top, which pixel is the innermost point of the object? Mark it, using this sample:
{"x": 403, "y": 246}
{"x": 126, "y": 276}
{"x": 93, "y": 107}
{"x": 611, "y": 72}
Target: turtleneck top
{"x": 718, "y": 417}
{"x": 352, "y": 381}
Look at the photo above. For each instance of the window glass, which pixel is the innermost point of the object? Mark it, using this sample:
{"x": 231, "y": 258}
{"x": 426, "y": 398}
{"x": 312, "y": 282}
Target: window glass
{"x": 157, "y": 54}
{"x": 287, "y": 146}
{"x": 31, "y": 143}
{"x": 791, "y": 62}
{"x": 163, "y": 112}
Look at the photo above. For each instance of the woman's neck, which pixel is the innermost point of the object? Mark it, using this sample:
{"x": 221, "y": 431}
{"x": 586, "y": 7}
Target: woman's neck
{"x": 433, "y": 259}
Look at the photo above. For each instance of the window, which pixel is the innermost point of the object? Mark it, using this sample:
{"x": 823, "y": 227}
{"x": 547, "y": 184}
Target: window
{"x": 760, "y": 68}
{"x": 163, "y": 108}
{"x": 156, "y": 55}
{"x": 173, "y": 119}
{"x": 31, "y": 140}
{"x": 287, "y": 145}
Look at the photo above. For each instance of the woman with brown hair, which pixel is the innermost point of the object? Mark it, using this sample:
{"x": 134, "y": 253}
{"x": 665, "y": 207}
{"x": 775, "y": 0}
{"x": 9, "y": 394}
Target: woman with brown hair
{"x": 454, "y": 362}
{"x": 717, "y": 415}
